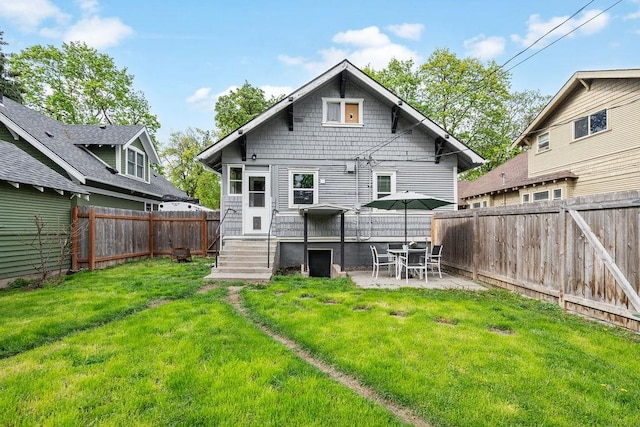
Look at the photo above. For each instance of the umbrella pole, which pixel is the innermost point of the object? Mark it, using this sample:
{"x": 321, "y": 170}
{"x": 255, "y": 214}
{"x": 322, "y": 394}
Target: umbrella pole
{"x": 405, "y": 225}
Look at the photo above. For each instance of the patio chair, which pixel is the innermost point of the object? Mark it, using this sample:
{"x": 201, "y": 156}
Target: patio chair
{"x": 380, "y": 260}
{"x": 433, "y": 259}
{"x": 409, "y": 264}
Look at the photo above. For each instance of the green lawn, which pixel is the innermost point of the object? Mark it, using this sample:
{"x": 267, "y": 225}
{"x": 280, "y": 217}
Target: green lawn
{"x": 462, "y": 358}
{"x": 137, "y": 345}
{"x": 189, "y": 361}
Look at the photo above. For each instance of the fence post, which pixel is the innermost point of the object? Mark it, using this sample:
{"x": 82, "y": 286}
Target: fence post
{"x": 92, "y": 239}
{"x": 562, "y": 226}
{"x": 151, "y": 233}
{"x": 75, "y": 229}
{"x": 205, "y": 234}
{"x": 476, "y": 245}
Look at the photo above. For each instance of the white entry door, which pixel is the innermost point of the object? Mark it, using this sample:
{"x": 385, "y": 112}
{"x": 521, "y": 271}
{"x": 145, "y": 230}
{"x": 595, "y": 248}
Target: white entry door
{"x": 256, "y": 203}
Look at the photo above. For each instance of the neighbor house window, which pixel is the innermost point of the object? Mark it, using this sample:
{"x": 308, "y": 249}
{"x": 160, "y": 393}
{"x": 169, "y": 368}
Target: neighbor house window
{"x": 525, "y": 198}
{"x": 589, "y": 125}
{"x": 475, "y": 205}
{"x": 235, "y": 180}
{"x": 541, "y": 195}
{"x": 543, "y": 142}
{"x": 384, "y": 184}
{"x": 135, "y": 163}
{"x": 557, "y": 194}
{"x": 303, "y": 187}
{"x": 484, "y": 204}
{"x": 341, "y": 111}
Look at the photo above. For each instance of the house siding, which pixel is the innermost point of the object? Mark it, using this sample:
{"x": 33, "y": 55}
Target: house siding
{"x": 606, "y": 161}
{"x": 106, "y": 154}
{"x": 18, "y": 256}
{"x": 328, "y": 149}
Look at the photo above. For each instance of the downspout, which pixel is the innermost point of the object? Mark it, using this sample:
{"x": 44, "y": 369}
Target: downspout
{"x": 357, "y": 206}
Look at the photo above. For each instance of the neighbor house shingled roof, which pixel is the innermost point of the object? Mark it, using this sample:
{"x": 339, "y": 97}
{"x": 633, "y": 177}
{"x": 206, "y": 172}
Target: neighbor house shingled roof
{"x": 65, "y": 145}
{"x": 510, "y": 175}
{"x": 21, "y": 168}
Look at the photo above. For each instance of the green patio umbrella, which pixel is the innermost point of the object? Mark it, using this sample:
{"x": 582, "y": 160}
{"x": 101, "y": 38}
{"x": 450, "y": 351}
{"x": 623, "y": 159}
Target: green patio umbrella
{"x": 407, "y": 200}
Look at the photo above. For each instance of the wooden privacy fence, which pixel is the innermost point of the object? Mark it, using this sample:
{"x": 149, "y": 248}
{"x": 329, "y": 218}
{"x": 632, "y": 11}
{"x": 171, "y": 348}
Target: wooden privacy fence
{"x": 106, "y": 236}
{"x": 582, "y": 253}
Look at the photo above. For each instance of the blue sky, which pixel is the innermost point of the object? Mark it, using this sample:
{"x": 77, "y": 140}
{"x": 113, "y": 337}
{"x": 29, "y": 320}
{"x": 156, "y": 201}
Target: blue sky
{"x": 184, "y": 54}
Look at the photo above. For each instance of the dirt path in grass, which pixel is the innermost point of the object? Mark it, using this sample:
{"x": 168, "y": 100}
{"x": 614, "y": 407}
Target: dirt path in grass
{"x": 403, "y": 413}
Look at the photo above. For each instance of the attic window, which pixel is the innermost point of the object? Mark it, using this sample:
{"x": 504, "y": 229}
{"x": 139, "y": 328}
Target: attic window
{"x": 135, "y": 163}
{"x": 342, "y": 112}
{"x": 543, "y": 142}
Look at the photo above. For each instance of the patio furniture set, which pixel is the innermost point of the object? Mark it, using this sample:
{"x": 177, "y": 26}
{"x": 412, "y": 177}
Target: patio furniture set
{"x": 406, "y": 260}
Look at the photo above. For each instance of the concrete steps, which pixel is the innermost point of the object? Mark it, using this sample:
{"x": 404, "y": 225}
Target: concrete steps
{"x": 244, "y": 260}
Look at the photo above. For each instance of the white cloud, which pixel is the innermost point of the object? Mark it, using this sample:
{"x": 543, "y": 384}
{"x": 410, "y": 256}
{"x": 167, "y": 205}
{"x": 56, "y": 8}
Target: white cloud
{"x": 367, "y": 37}
{"x": 483, "y": 47}
{"x": 199, "y": 95}
{"x": 89, "y": 6}
{"x": 98, "y": 32}
{"x": 633, "y": 15}
{"x": 29, "y": 14}
{"x": 537, "y": 28}
{"x": 270, "y": 91}
{"x": 368, "y": 46}
{"x": 407, "y": 31}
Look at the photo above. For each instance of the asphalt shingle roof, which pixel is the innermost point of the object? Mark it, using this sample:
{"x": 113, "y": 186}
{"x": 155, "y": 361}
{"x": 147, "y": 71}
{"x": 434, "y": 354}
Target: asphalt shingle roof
{"x": 20, "y": 167}
{"x": 68, "y": 141}
{"x": 511, "y": 174}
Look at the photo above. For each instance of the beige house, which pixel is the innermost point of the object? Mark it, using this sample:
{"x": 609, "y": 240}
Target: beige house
{"x": 585, "y": 141}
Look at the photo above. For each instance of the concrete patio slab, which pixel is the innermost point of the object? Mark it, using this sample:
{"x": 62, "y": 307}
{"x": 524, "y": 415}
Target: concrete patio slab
{"x": 363, "y": 279}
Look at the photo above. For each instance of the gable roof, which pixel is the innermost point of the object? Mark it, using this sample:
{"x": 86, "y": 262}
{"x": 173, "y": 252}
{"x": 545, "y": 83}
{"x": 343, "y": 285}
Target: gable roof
{"x": 509, "y": 176}
{"x": 467, "y": 158}
{"x": 18, "y": 167}
{"x": 583, "y": 78}
{"x": 66, "y": 145}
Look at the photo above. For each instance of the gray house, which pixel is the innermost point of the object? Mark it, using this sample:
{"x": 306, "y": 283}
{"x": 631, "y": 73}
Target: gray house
{"x": 299, "y": 174}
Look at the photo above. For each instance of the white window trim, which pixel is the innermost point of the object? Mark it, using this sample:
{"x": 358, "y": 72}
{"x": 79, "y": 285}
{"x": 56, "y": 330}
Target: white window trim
{"x": 229, "y": 167}
{"x": 375, "y": 182}
{"x": 528, "y": 195}
{"x": 540, "y": 192}
{"x": 145, "y": 169}
{"x": 314, "y": 172}
{"x": 554, "y": 194}
{"x": 588, "y": 117}
{"x": 542, "y": 150}
{"x": 342, "y": 102}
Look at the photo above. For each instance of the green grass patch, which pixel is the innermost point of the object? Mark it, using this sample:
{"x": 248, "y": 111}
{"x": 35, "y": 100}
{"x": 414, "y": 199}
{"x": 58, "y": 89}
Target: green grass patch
{"x": 463, "y": 358}
{"x": 29, "y": 318}
{"x": 188, "y": 362}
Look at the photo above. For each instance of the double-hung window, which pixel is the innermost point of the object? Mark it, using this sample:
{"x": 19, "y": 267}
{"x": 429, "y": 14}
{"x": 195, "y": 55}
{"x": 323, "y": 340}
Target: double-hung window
{"x": 135, "y": 163}
{"x": 543, "y": 142}
{"x": 384, "y": 184}
{"x": 235, "y": 180}
{"x": 303, "y": 187}
{"x": 589, "y": 125}
{"x": 342, "y": 112}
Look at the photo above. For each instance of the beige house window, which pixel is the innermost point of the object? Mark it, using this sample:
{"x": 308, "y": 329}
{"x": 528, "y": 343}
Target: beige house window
{"x": 585, "y": 126}
{"x": 525, "y": 198}
{"x": 541, "y": 195}
{"x": 557, "y": 194}
{"x": 543, "y": 142}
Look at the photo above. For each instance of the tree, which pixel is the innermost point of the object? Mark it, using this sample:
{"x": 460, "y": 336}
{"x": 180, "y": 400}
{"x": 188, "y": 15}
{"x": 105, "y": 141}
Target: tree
{"x": 8, "y": 85}
{"x": 185, "y": 172}
{"x": 240, "y": 106}
{"x": 77, "y": 85}
{"x": 469, "y": 99}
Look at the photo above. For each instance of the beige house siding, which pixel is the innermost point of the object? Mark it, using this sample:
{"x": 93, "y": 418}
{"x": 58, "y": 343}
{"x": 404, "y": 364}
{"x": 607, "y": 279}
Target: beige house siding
{"x": 606, "y": 161}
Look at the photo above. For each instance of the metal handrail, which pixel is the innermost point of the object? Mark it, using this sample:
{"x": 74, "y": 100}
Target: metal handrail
{"x": 217, "y": 233}
{"x": 274, "y": 211}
